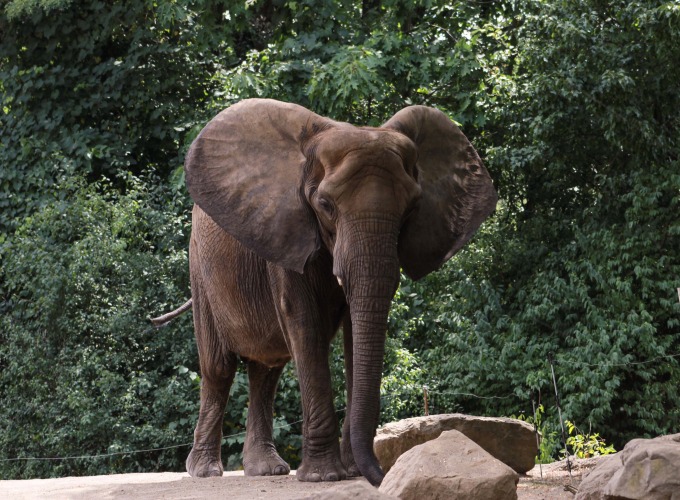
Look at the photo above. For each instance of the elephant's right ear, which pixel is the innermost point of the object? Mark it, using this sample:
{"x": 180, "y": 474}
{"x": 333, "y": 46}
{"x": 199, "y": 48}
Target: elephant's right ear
{"x": 244, "y": 170}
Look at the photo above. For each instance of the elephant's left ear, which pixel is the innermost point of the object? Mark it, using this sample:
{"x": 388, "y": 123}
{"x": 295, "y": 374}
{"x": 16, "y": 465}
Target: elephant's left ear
{"x": 457, "y": 190}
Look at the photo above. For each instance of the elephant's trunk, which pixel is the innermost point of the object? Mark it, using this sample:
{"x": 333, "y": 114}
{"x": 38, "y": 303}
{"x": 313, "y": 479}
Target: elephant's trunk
{"x": 368, "y": 330}
{"x": 371, "y": 273}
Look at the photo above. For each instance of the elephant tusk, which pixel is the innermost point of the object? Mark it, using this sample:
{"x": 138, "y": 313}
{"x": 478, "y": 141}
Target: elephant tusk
{"x": 339, "y": 280}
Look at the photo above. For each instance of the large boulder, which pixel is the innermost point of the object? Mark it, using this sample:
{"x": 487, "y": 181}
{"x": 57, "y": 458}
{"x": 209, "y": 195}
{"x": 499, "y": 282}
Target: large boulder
{"x": 645, "y": 468}
{"x": 511, "y": 441}
{"x": 450, "y": 467}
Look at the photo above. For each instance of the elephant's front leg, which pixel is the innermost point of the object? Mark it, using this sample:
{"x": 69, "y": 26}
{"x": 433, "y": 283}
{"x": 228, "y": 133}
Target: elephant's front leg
{"x": 259, "y": 453}
{"x": 309, "y": 332}
{"x": 321, "y": 459}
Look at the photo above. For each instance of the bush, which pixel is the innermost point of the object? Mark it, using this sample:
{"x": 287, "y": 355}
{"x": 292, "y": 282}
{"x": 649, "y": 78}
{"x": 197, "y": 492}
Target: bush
{"x": 81, "y": 370}
{"x": 585, "y": 445}
{"x": 580, "y": 258}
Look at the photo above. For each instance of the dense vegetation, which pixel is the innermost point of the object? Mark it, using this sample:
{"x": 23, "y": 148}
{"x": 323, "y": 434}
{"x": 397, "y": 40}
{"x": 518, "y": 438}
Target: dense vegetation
{"x": 572, "y": 104}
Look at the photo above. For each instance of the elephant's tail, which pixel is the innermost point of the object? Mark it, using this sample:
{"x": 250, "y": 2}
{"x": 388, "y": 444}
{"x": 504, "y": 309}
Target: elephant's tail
{"x": 168, "y": 317}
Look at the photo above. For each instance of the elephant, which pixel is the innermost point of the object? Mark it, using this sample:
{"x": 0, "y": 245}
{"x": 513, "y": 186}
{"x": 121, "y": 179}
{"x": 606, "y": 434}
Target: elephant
{"x": 300, "y": 226}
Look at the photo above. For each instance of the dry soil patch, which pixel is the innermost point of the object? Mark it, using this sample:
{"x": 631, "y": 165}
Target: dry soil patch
{"x": 234, "y": 485}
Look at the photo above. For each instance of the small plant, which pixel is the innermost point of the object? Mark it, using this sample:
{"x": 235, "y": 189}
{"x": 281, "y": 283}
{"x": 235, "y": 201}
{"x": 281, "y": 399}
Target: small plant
{"x": 585, "y": 445}
{"x": 548, "y": 440}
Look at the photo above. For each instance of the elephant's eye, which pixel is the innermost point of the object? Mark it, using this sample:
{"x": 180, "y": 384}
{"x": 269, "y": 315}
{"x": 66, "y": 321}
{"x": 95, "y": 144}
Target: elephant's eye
{"x": 326, "y": 206}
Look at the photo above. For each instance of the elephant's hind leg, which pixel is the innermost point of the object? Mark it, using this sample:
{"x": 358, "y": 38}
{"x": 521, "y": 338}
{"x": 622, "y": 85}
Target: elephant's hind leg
{"x": 205, "y": 459}
{"x": 218, "y": 368}
{"x": 259, "y": 453}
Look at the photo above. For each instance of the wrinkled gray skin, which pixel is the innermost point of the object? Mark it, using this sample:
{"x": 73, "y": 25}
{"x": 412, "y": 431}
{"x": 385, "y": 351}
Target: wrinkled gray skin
{"x": 301, "y": 225}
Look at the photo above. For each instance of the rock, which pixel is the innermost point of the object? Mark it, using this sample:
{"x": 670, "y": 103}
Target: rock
{"x": 357, "y": 488}
{"x": 511, "y": 441}
{"x": 645, "y": 468}
{"x": 450, "y": 467}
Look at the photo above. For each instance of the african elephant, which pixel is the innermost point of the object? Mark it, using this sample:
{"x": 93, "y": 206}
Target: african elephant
{"x": 301, "y": 225}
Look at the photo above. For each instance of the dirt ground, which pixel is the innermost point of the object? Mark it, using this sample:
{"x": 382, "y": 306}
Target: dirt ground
{"x": 234, "y": 485}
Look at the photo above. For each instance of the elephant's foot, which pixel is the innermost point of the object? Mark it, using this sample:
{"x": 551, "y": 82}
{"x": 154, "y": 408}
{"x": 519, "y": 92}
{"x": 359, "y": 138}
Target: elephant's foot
{"x": 352, "y": 469}
{"x": 204, "y": 461}
{"x": 264, "y": 461}
{"x": 348, "y": 460}
{"x": 321, "y": 469}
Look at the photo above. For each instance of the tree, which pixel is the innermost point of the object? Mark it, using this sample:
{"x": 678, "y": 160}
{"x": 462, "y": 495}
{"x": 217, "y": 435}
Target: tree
{"x": 571, "y": 104}
{"x": 579, "y": 261}
{"x": 98, "y": 89}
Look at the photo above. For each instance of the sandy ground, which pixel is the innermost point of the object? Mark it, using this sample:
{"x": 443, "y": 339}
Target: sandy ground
{"x": 234, "y": 485}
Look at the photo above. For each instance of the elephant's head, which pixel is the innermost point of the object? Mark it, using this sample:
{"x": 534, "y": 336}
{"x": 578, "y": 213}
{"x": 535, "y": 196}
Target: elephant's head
{"x": 286, "y": 182}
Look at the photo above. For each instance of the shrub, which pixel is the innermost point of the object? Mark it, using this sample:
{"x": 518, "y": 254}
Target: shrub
{"x": 81, "y": 371}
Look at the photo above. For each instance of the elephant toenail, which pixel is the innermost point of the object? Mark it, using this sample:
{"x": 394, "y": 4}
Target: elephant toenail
{"x": 332, "y": 476}
{"x": 280, "y": 470}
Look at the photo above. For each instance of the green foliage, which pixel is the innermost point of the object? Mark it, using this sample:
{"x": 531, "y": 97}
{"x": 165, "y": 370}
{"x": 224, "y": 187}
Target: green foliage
{"x": 586, "y": 445}
{"x": 571, "y": 104}
{"x": 548, "y": 440}
{"x": 18, "y": 8}
{"x": 81, "y": 371}
{"x": 360, "y": 62}
{"x": 97, "y": 88}
{"x": 402, "y": 383}
{"x": 581, "y": 445}
{"x": 579, "y": 259}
